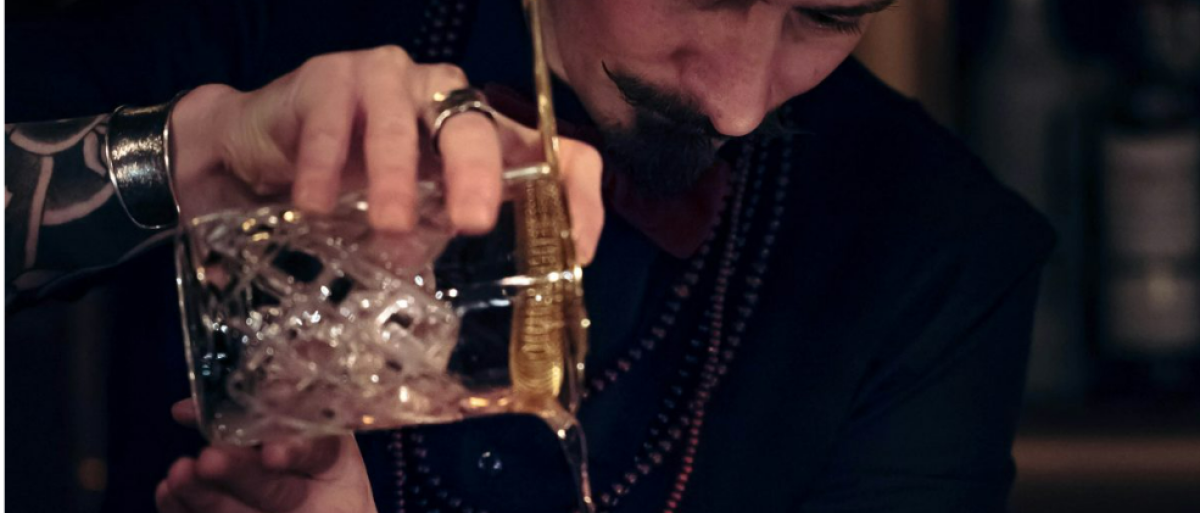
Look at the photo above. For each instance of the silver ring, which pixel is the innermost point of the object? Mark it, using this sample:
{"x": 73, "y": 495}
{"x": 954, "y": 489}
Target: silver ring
{"x": 453, "y": 103}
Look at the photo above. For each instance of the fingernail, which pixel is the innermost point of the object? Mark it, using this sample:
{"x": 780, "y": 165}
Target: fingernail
{"x": 210, "y": 463}
{"x": 311, "y": 197}
{"x": 180, "y": 470}
{"x": 473, "y": 218}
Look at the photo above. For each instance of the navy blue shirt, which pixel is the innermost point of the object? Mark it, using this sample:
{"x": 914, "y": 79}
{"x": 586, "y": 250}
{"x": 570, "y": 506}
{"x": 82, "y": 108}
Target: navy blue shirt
{"x": 878, "y": 304}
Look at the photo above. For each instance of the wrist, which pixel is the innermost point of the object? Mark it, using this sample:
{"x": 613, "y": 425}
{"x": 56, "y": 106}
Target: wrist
{"x": 196, "y": 125}
{"x": 137, "y": 154}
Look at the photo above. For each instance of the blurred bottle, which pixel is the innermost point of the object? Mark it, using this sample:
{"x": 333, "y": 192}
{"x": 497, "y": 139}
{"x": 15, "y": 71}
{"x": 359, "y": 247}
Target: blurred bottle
{"x": 1149, "y": 306}
{"x": 1025, "y": 108}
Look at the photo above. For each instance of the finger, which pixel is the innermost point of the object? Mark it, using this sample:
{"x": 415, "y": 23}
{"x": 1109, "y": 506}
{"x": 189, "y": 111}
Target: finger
{"x": 184, "y": 412}
{"x": 519, "y": 144}
{"x": 303, "y": 457}
{"x": 197, "y": 496}
{"x": 240, "y": 472}
{"x": 580, "y": 168}
{"x": 470, "y": 154}
{"x": 325, "y": 107}
{"x": 167, "y": 502}
{"x": 472, "y": 166}
{"x": 390, "y": 141}
{"x": 581, "y": 171}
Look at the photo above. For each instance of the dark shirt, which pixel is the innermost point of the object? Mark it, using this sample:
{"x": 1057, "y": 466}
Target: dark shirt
{"x": 878, "y": 300}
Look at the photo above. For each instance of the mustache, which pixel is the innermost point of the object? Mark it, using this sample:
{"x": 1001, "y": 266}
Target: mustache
{"x": 640, "y": 95}
{"x": 645, "y": 97}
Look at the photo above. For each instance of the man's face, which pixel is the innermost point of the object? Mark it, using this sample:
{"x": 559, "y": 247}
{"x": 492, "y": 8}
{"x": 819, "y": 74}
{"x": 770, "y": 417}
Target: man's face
{"x": 668, "y": 81}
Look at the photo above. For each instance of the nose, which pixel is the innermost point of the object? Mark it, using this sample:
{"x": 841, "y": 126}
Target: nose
{"x": 728, "y": 70}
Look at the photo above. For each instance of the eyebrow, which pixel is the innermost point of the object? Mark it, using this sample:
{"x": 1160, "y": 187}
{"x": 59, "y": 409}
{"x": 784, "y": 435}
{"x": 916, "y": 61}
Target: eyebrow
{"x": 862, "y": 9}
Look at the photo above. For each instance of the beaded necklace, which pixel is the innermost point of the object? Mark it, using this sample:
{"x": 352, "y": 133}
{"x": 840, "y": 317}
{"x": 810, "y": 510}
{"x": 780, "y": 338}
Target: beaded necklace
{"x": 678, "y": 425}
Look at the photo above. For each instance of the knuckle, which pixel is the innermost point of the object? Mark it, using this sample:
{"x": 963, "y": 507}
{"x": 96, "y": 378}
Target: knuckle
{"x": 470, "y": 122}
{"x": 389, "y": 129}
{"x": 393, "y": 54}
{"x": 177, "y": 475}
{"x": 314, "y": 64}
{"x": 317, "y": 161}
{"x": 327, "y": 66}
{"x": 317, "y": 158}
{"x": 443, "y": 72}
{"x": 212, "y": 90}
{"x": 323, "y": 134}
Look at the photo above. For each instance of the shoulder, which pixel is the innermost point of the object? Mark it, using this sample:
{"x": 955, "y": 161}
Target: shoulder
{"x": 889, "y": 170}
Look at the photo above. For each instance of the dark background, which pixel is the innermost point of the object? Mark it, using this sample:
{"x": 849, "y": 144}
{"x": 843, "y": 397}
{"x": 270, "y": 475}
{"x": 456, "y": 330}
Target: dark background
{"x": 1047, "y": 91}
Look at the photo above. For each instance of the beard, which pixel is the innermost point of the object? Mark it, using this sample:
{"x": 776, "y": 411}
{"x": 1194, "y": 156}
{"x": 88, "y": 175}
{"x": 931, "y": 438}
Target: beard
{"x": 667, "y": 147}
{"x": 661, "y": 159}
{"x": 670, "y": 143}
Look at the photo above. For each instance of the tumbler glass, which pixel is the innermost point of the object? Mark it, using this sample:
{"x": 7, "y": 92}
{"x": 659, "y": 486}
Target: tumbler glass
{"x": 299, "y": 324}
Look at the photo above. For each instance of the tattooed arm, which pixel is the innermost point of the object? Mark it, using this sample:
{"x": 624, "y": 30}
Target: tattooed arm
{"x": 299, "y": 133}
{"x": 60, "y": 212}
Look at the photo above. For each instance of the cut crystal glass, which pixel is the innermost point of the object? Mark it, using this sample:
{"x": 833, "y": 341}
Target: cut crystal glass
{"x": 308, "y": 325}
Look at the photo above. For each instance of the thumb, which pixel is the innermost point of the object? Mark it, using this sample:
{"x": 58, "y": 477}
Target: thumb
{"x": 580, "y": 168}
{"x": 185, "y": 413}
{"x": 308, "y": 456}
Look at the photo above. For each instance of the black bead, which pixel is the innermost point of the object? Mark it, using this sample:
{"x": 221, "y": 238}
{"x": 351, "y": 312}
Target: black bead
{"x": 490, "y": 464}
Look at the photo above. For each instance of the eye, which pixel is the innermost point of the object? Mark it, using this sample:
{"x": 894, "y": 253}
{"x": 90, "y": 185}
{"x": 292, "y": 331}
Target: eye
{"x": 840, "y": 23}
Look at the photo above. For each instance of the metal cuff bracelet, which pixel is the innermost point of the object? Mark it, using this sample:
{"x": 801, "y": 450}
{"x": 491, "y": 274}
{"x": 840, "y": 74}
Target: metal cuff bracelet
{"x": 137, "y": 148}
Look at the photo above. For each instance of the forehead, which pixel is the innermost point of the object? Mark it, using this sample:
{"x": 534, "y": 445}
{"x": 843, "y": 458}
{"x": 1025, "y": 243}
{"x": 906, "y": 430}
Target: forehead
{"x": 850, "y": 6}
{"x": 860, "y": 7}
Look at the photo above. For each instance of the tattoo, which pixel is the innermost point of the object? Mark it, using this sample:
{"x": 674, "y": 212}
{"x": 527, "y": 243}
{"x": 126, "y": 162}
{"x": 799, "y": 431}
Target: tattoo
{"x": 60, "y": 211}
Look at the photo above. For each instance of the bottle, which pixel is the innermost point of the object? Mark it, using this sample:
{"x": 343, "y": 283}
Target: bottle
{"x": 1026, "y": 101}
{"x": 1149, "y": 305}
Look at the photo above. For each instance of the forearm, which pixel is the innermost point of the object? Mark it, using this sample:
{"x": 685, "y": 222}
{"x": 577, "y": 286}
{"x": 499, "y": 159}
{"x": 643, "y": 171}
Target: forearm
{"x": 61, "y": 213}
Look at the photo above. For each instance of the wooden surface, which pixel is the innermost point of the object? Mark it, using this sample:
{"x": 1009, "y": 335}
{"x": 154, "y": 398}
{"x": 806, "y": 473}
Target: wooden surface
{"x": 1130, "y": 458}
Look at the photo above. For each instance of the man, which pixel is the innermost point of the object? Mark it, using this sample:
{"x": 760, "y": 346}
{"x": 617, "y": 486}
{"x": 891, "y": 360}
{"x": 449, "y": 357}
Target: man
{"x": 830, "y": 313}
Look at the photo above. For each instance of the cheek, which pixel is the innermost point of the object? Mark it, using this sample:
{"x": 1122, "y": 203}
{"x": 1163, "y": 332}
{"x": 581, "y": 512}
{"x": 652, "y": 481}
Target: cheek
{"x": 626, "y": 31}
{"x": 804, "y": 65}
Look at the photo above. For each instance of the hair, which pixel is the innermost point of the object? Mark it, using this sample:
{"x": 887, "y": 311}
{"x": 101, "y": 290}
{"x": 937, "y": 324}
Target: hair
{"x": 670, "y": 143}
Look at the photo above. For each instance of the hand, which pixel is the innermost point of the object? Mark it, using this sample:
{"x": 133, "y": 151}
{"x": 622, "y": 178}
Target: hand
{"x": 346, "y": 121}
{"x": 301, "y": 476}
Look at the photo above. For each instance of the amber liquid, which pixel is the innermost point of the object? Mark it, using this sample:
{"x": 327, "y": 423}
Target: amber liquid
{"x": 549, "y": 326}
{"x": 549, "y": 323}
{"x": 542, "y": 337}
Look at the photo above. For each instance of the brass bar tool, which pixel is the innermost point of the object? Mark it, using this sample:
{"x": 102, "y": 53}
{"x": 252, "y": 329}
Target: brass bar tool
{"x": 549, "y": 328}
